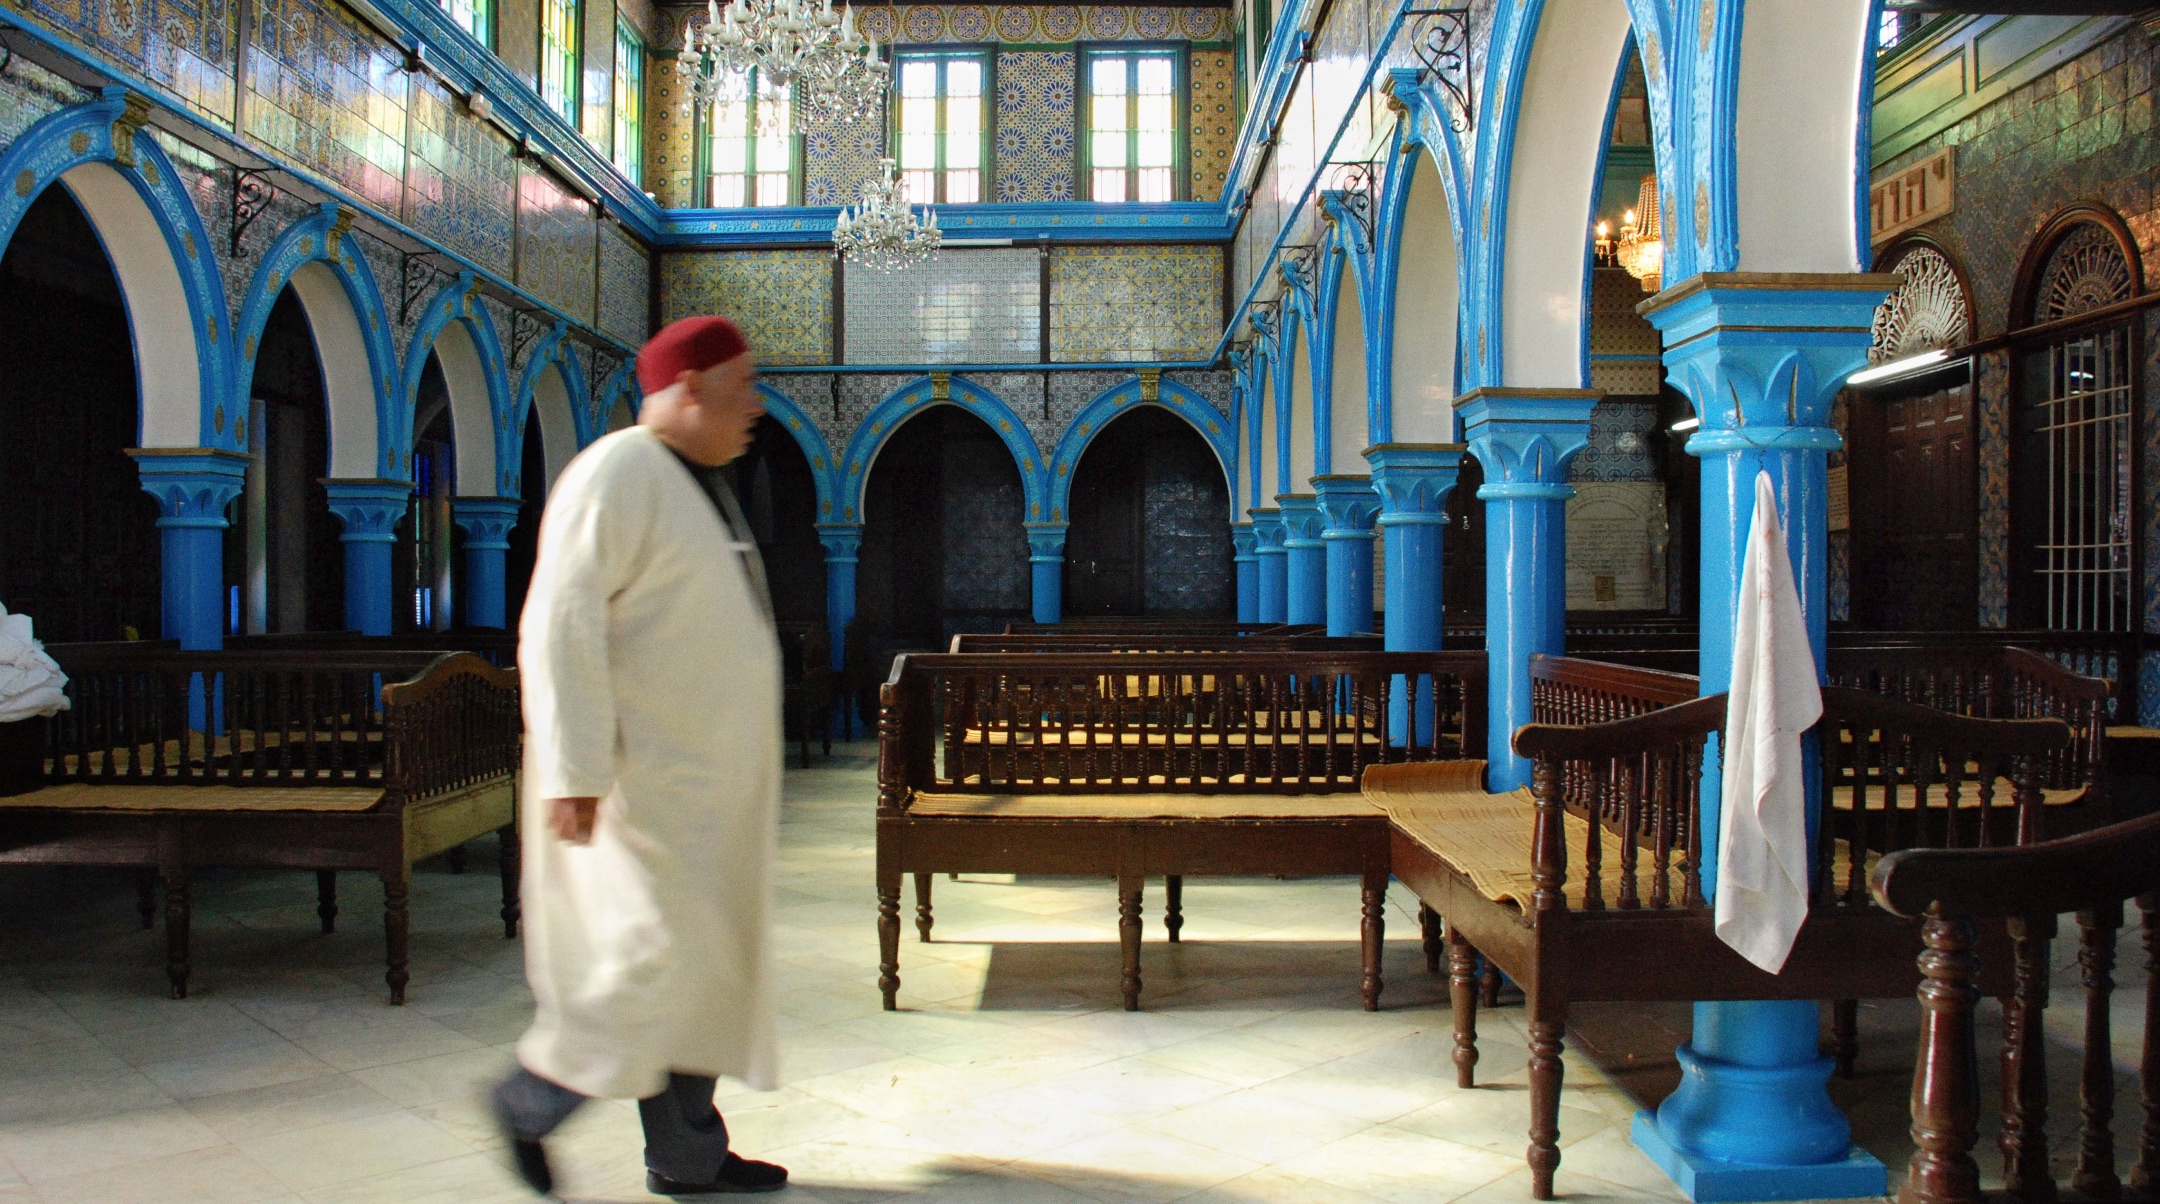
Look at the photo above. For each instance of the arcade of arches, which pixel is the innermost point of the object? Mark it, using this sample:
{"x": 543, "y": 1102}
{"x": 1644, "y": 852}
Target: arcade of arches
{"x": 1458, "y": 330}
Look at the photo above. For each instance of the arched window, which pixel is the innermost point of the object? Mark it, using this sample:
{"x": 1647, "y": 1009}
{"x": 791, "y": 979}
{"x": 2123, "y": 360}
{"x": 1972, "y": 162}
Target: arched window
{"x": 2077, "y": 510}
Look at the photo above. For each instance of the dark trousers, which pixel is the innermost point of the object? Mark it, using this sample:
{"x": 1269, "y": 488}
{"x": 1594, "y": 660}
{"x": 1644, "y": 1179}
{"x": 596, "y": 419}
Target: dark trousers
{"x": 685, "y": 1139}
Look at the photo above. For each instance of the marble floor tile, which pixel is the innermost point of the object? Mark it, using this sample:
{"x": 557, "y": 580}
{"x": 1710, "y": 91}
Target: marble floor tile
{"x": 327, "y": 1155}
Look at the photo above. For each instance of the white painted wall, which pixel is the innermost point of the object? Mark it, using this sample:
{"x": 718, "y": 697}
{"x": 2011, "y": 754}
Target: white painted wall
{"x": 1798, "y": 130}
{"x": 1347, "y": 425}
{"x": 348, "y": 378}
{"x": 1301, "y": 414}
{"x": 558, "y": 430}
{"x": 472, "y": 420}
{"x": 1264, "y": 407}
{"x": 166, "y": 341}
{"x": 1427, "y": 296}
{"x": 619, "y": 417}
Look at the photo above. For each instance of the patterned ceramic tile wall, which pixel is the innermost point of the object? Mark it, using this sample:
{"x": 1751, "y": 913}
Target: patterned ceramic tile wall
{"x": 1026, "y": 393}
{"x": 2151, "y": 483}
{"x": 1028, "y": 24}
{"x": 1035, "y": 125}
{"x": 1624, "y": 349}
{"x": 1619, "y": 444}
{"x": 969, "y": 306}
{"x": 1213, "y": 384}
{"x": 1134, "y": 303}
{"x": 185, "y": 45}
{"x": 1070, "y": 392}
{"x": 781, "y": 299}
{"x": 556, "y": 243}
{"x": 28, "y": 93}
{"x": 1993, "y": 402}
{"x": 328, "y": 91}
{"x": 669, "y": 148}
{"x": 462, "y": 182}
{"x": 838, "y": 158}
{"x": 2149, "y": 690}
{"x": 1214, "y": 121}
{"x": 1840, "y": 576}
{"x": 859, "y": 393}
{"x": 625, "y": 285}
{"x": 816, "y": 394}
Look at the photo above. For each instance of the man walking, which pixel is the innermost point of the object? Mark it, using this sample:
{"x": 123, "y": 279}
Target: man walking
{"x": 651, "y": 681}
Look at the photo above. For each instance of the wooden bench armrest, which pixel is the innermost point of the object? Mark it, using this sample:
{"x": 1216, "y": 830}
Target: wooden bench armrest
{"x": 1404, "y": 777}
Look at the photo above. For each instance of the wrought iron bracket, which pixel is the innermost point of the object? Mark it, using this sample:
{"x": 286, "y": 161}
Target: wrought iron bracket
{"x": 525, "y": 329}
{"x": 1357, "y": 189}
{"x": 251, "y": 195}
{"x": 416, "y": 277}
{"x": 1297, "y": 267}
{"x": 1441, "y": 40}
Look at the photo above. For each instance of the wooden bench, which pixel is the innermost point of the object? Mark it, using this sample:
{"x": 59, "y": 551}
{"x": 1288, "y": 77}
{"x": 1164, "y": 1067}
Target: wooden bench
{"x": 1133, "y": 765}
{"x": 329, "y": 761}
{"x": 1108, "y": 641}
{"x": 1588, "y": 886}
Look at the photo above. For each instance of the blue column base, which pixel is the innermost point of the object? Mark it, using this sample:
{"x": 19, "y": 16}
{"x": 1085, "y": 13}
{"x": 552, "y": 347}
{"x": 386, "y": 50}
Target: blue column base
{"x": 1775, "y": 1133}
{"x": 1706, "y": 1180}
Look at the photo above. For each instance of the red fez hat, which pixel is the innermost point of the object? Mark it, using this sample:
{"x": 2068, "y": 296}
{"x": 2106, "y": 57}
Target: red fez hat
{"x": 690, "y": 344}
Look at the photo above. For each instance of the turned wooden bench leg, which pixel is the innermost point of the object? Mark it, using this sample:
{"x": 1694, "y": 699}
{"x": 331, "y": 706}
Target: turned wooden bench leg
{"x": 178, "y": 910}
{"x": 1845, "y": 1035}
{"x": 1128, "y": 906}
{"x": 146, "y": 897}
{"x": 1945, "y": 1100}
{"x": 513, "y": 910}
{"x": 1429, "y": 929}
{"x": 397, "y": 930}
{"x": 1548, "y": 1031}
{"x": 1373, "y": 937}
{"x": 326, "y": 899}
{"x": 1173, "y": 916}
{"x": 2095, "y": 1174}
{"x": 1463, "y": 995}
{"x": 888, "y": 935}
{"x": 922, "y": 906}
{"x": 2023, "y": 1139}
{"x": 1489, "y": 983}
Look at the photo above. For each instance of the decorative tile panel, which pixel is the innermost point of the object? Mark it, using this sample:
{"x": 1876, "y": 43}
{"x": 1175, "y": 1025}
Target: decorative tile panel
{"x": 1020, "y": 25}
{"x": 670, "y": 150}
{"x": 1024, "y": 393}
{"x": 28, "y": 94}
{"x": 2151, "y": 483}
{"x": 328, "y": 91}
{"x": 462, "y": 182}
{"x": 1624, "y": 349}
{"x": 1213, "y": 384}
{"x": 1213, "y": 75}
{"x": 818, "y": 396}
{"x": 556, "y": 247}
{"x": 1993, "y": 402}
{"x": 965, "y": 306}
{"x": 1035, "y": 125}
{"x": 1619, "y": 444}
{"x": 1070, "y": 393}
{"x": 838, "y": 159}
{"x": 782, "y": 300}
{"x": 1134, "y": 303}
{"x": 625, "y": 285}
{"x": 185, "y": 45}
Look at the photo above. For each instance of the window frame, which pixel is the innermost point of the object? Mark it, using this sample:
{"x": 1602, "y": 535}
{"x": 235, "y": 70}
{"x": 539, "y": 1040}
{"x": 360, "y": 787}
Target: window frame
{"x": 569, "y": 105}
{"x": 630, "y": 52}
{"x": 984, "y": 54}
{"x": 484, "y": 12}
{"x": 1180, "y": 56}
{"x": 703, "y": 173}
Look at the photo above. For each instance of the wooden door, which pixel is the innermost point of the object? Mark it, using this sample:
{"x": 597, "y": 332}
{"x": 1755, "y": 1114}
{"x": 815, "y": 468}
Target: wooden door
{"x": 1928, "y": 546}
{"x": 1103, "y": 544}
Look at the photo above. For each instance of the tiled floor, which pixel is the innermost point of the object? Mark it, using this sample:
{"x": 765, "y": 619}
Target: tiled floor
{"x": 1009, "y": 1075}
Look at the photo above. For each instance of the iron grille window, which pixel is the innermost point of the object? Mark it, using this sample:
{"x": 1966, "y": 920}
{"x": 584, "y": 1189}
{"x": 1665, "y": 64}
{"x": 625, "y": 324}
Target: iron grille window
{"x": 560, "y": 22}
{"x": 629, "y": 104}
{"x": 476, "y": 17}
{"x": 1133, "y": 137}
{"x": 2078, "y": 455}
{"x": 749, "y": 153}
{"x": 943, "y": 125}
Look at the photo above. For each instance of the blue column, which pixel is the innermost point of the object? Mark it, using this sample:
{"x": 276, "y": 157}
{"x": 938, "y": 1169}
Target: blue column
{"x": 842, "y": 542}
{"x": 1247, "y": 561}
{"x": 370, "y": 510}
{"x": 1348, "y": 507}
{"x": 192, "y": 485}
{"x": 1274, "y": 570}
{"x": 486, "y": 522}
{"x": 1413, "y": 481}
{"x": 1046, "y": 558}
{"x": 1524, "y": 438}
{"x": 1304, "y": 559}
{"x": 1761, "y": 357}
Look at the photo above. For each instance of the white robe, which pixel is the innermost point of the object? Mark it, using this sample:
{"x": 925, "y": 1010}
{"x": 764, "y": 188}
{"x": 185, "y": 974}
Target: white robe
{"x": 650, "y": 673}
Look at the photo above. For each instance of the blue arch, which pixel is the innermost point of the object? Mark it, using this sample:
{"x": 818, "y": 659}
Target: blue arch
{"x": 620, "y": 385}
{"x": 903, "y": 403}
{"x": 1118, "y": 399}
{"x": 553, "y": 353}
{"x": 1423, "y": 134}
{"x": 322, "y": 237}
{"x": 458, "y": 301}
{"x": 812, "y": 442}
{"x": 110, "y": 132}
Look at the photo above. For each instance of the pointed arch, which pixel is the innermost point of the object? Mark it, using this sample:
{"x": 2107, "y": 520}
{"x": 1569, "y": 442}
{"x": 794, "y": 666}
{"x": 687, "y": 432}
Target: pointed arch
{"x": 1416, "y": 295}
{"x": 1119, "y": 399}
{"x": 160, "y": 253}
{"x": 810, "y": 439}
{"x": 552, "y": 386}
{"x": 457, "y": 328}
{"x": 1341, "y": 415}
{"x": 918, "y": 394}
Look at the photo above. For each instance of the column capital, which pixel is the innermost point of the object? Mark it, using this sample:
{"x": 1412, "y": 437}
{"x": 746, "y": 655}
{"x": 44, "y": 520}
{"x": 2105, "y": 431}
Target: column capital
{"x": 192, "y": 485}
{"x": 1245, "y": 541}
{"x": 486, "y": 521}
{"x": 1414, "y": 480}
{"x": 1046, "y": 542}
{"x": 1525, "y": 438}
{"x": 369, "y": 507}
{"x": 1267, "y": 528}
{"x": 1766, "y": 352}
{"x": 1348, "y": 505}
{"x": 842, "y": 541}
{"x": 1300, "y": 519}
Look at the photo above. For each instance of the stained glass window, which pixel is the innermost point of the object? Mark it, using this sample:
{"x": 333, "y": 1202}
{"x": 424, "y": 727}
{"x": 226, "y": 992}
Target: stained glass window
{"x": 475, "y": 17}
{"x": 749, "y": 151}
{"x": 943, "y": 131}
{"x": 1133, "y": 134}
{"x": 629, "y": 104}
{"x": 560, "y": 22}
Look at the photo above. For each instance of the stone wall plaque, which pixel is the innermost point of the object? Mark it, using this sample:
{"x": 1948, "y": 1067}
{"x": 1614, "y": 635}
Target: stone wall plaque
{"x": 1616, "y": 539}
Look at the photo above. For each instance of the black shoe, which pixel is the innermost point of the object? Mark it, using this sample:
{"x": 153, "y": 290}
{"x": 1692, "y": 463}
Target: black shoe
{"x": 527, "y": 1156}
{"x": 737, "y": 1174}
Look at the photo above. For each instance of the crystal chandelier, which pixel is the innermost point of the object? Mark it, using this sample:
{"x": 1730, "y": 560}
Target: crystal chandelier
{"x": 1642, "y": 242}
{"x": 789, "y": 43}
{"x": 879, "y": 232}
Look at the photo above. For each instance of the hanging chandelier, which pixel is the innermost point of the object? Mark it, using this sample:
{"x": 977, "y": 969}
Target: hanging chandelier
{"x": 1641, "y": 249}
{"x": 879, "y": 232}
{"x": 834, "y": 73}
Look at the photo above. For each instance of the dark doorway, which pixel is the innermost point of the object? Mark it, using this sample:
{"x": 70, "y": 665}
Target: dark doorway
{"x": 293, "y": 562}
{"x": 525, "y": 537}
{"x": 1912, "y": 489}
{"x": 943, "y": 547}
{"x": 80, "y": 555}
{"x": 1149, "y": 530}
{"x": 1462, "y": 551}
{"x": 779, "y": 498}
{"x": 424, "y": 571}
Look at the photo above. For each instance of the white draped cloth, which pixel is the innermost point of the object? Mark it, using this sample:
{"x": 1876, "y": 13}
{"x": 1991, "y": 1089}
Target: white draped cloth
{"x": 30, "y": 683}
{"x": 1762, "y": 867}
{"x": 650, "y": 673}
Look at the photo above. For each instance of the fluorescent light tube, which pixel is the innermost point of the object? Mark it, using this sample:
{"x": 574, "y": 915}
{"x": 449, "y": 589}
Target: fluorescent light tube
{"x": 1911, "y": 363}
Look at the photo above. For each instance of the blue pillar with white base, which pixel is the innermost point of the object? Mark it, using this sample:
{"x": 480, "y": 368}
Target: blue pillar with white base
{"x": 1525, "y": 439}
{"x": 1046, "y": 560}
{"x": 370, "y": 510}
{"x": 1246, "y": 558}
{"x": 1761, "y": 357}
{"x": 1304, "y": 559}
{"x": 1274, "y": 571}
{"x": 486, "y": 524}
{"x": 1413, "y": 481}
{"x": 192, "y": 485}
{"x": 843, "y": 541}
{"x": 1348, "y": 507}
